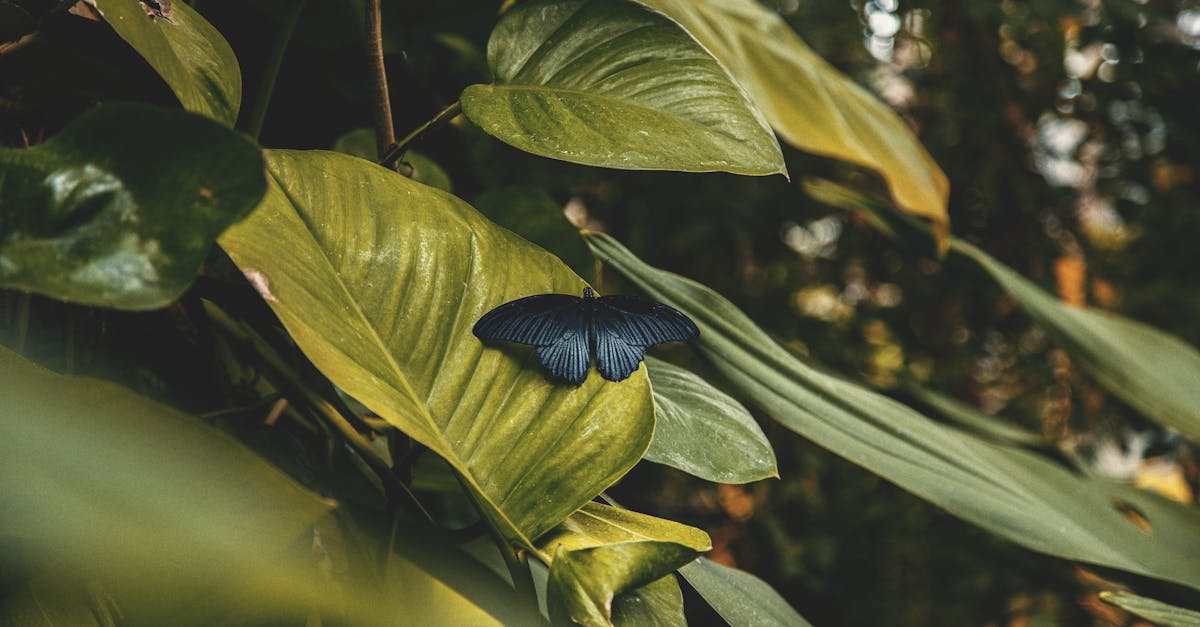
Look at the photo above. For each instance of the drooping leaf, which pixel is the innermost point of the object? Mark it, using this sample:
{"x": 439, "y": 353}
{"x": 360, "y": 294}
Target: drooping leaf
{"x": 379, "y": 280}
{"x": 121, "y": 207}
{"x": 656, "y": 604}
{"x": 1152, "y": 610}
{"x": 360, "y": 142}
{"x": 532, "y": 214}
{"x": 609, "y": 83}
{"x": 1155, "y": 372}
{"x": 168, "y": 511}
{"x": 813, "y": 106}
{"x": 703, "y": 431}
{"x": 739, "y": 597}
{"x": 186, "y": 51}
{"x": 1014, "y": 493}
{"x": 601, "y": 552}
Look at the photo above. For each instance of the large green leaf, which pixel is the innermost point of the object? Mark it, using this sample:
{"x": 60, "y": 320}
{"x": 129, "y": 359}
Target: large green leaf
{"x": 609, "y": 83}
{"x": 166, "y": 510}
{"x": 1156, "y": 373}
{"x": 812, "y": 105}
{"x": 1017, "y": 494}
{"x": 739, "y": 597}
{"x": 121, "y": 207}
{"x": 379, "y": 280}
{"x": 656, "y": 604}
{"x": 601, "y": 552}
{"x": 186, "y": 51}
{"x": 1150, "y": 609}
{"x": 703, "y": 431}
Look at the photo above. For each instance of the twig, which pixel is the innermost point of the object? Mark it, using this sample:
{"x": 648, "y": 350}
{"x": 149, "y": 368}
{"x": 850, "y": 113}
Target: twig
{"x": 257, "y": 114}
{"x": 385, "y": 133}
{"x": 395, "y": 151}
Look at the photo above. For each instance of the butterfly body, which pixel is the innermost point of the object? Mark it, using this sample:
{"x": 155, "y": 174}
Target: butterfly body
{"x": 568, "y": 331}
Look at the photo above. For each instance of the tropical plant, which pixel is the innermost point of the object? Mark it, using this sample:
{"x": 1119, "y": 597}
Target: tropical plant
{"x": 307, "y": 431}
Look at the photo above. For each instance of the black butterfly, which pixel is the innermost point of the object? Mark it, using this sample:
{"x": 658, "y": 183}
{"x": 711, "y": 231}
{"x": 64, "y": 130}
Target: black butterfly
{"x": 568, "y": 330}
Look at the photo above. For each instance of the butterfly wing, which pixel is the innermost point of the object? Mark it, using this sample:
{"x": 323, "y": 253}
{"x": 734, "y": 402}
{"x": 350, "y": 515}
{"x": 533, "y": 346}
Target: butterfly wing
{"x": 538, "y": 320}
{"x": 626, "y": 325}
{"x": 555, "y": 323}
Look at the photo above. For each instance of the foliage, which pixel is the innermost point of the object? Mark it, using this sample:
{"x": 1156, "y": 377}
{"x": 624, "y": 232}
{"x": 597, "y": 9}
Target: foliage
{"x": 269, "y": 407}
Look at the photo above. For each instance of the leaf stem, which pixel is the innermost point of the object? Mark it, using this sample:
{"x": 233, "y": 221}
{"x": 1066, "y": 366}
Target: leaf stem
{"x": 398, "y": 149}
{"x": 517, "y": 561}
{"x": 385, "y": 132}
{"x": 254, "y": 118}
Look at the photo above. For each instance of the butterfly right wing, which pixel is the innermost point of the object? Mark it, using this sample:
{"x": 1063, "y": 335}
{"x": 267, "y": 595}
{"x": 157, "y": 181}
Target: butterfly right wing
{"x": 554, "y": 323}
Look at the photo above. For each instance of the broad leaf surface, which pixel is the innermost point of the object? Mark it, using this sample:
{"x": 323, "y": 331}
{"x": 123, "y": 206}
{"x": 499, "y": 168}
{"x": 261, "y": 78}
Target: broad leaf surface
{"x": 166, "y": 510}
{"x": 656, "y": 604}
{"x": 813, "y": 106}
{"x": 1160, "y": 613}
{"x": 533, "y": 214}
{"x": 186, "y": 51}
{"x": 360, "y": 142}
{"x": 121, "y": 207}
{"x": 1017, "y": 494}
{"x": 379, "y": 280}
{"x": 601, "y": 552}
{"x": 739, "y": 597}
{"x": 1155, "y": 372}
{"x": 610, "y": 83}
{"x": 703, "y": 431}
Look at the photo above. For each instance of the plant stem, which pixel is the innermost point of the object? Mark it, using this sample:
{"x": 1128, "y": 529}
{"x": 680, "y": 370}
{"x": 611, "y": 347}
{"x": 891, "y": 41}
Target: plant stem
{"x": 395, "y": 151}
{"x": 516, "y": 560}
{"x": 253, "y": 119}
{"x": 385, "y": 133}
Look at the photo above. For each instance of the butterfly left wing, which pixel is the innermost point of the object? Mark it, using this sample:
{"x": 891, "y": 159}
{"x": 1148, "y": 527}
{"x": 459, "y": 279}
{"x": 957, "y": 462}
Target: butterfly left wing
{"x": 626, "y": 325}
{"x": 554, "y": 323}
{"x": 539, "y": 320}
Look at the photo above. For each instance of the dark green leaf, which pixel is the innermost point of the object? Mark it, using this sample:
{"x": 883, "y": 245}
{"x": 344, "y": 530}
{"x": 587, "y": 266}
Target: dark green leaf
{"x": 380, "y": 279}
{"x": 739, "y": 597}
{"x": 186, "y": 51}
{"x": 656, "y": 604}
{"x": 703, "y": 431}
{"x": 121, "y": 207}
{"x": 532, "y": 214}
{"x": 610, "y": 83}
{"x": 1015, "y": 493}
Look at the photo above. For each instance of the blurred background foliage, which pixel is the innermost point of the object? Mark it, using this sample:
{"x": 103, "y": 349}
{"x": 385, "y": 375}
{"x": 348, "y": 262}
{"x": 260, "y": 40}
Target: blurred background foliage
{"x": 1070, "y": 135}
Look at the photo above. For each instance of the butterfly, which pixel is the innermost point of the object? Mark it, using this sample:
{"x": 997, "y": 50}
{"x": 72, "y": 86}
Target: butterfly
{"x": 567, "y": 331}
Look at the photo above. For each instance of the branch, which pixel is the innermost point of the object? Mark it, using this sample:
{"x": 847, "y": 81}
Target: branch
{"x": 385, "y": 133}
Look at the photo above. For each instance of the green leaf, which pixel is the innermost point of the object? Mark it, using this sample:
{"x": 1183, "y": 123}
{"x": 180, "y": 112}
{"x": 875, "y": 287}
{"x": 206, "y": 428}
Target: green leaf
{"x": 703, "y": 431}
{"x": 973, "y": 419}
{"x": 1153, "y": 371}
{"x": 1152, "y": 610}
{"x": 186, "y": 51}
{"x": 739, "y": 597}
{"x": 1022, "y": 496}
{"x": 103, "y": 483}
{"x": 601, "y": 552}
{"x": 609, "y": 83}
{"x": 656, "y": 604}
{"x": 532, "y": 214}
{"x": 813, "y": 106}
{"x": 380, "y": 279}
{"x": 360, "y": 142}
{"x": 121, "y": 208}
